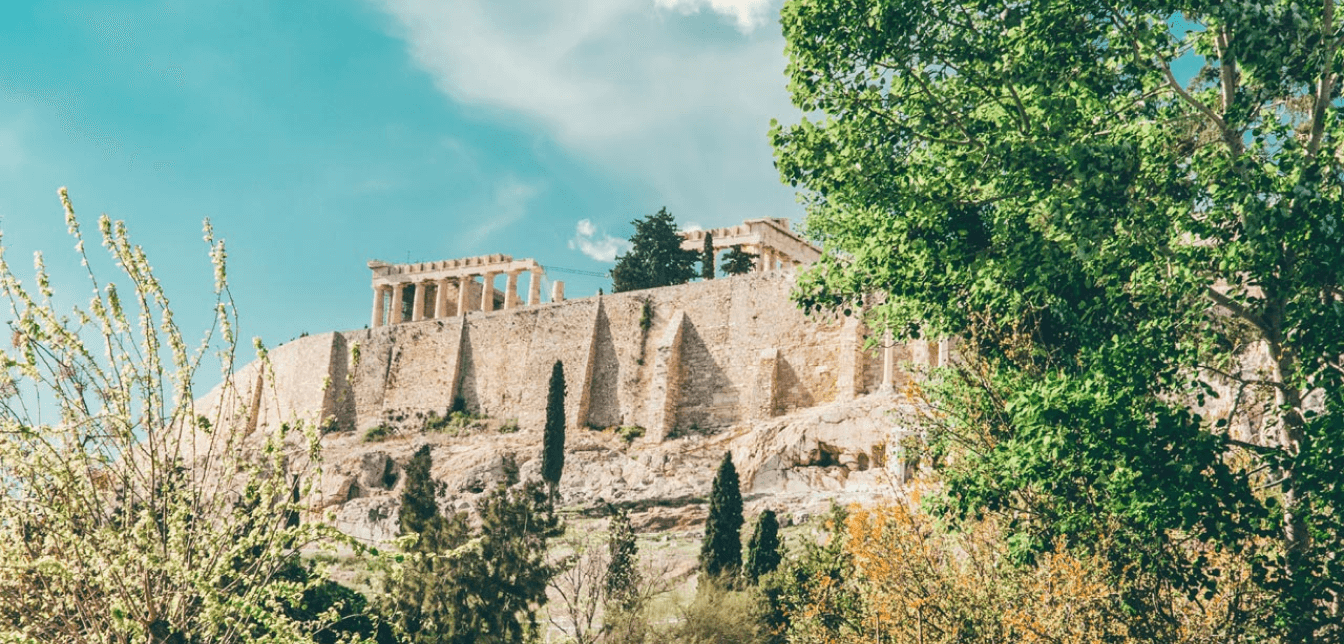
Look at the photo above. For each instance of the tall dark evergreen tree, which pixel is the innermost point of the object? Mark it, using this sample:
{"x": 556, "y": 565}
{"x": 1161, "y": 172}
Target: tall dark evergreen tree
{"x": 721, "y": 551}
{"x": 553, "y": 440}
{"x": 655, "y": 258}
{"x": 419, "y": 504}
{"x": 622, "y": 579}
{"x": 763, "y": 554}
{"x": 737, "y": 261}
{"x": 707, "y": 257}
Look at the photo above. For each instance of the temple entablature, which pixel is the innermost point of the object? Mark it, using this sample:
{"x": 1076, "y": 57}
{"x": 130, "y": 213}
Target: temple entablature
{"x": 771, "y": 239}
{"x": 430, "y": 290}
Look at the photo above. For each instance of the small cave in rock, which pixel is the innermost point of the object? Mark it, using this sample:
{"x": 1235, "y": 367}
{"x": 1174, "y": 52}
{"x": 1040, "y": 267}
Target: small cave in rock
{"x": 823, "y": 456}
{"x": 353, "y": 492}
{"x": 390, "y": 474}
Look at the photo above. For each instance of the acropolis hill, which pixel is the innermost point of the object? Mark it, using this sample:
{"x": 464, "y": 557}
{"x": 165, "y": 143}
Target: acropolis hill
{"x": 727, "y": 362}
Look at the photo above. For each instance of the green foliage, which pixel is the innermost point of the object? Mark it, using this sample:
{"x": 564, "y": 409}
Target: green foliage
{"x": 622, "y": 582}
{"x": 763, "y": 555}
{"x": 553, "y": 438}
{"x": 629, "y": 433}
{"x": 707, "y": 257}
{"x": 737, "y": 261}
{"x": 1116, "y": 250}
{"x": 509, "y": 427}
{"x": 810, "y": 598}
{"x": 127, "y": 513}
{"x": 655, "y": 257}
{"x": 463, "y": 585}
{"x": 377, "y": 433}
{"x": 645, "y": 314}
{"x": 454, "y": 424}
{"x": 420, "y": 493}
{"x": 721, "y": 550}
{"x": 718, "y": 615}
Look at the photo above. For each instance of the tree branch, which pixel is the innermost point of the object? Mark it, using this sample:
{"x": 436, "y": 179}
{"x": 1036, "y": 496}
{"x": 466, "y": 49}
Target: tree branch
{"x": 1325, "y": 86}
{"x": 1234, "y": 307}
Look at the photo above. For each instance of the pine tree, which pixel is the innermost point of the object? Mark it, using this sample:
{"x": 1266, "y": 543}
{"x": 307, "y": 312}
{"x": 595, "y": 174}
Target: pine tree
{"x": 707, "y": 257}
{"x": 553, "y": 440}
{"x": 655, "y": 258}
{"x": 419, "y": 504}
{"x": 721, "y": 551}
{"x": 622, "y": 579}
{"x": 763, "y": 554}
{"x": 737, "y": 261}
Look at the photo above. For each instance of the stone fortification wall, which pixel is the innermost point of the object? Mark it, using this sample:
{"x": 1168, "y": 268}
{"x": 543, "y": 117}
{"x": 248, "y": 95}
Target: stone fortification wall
{"x": 705, "y": 355}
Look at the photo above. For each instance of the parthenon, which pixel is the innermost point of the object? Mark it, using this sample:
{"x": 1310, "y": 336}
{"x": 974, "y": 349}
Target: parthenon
{"x": 769, "y": 238}
{"x": 449, "y": 287}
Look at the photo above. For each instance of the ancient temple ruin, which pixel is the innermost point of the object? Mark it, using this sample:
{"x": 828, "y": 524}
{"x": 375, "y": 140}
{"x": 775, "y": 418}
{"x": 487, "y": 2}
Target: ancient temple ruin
{"x": 433, "y": 290}
{"x": 775, "y": 245}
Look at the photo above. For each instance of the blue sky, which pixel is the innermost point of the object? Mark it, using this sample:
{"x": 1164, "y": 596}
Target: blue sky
{"x": 317, "y": 135}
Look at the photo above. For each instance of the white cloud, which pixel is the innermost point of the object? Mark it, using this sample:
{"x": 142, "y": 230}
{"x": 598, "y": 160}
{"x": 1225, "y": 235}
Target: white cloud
{"x": 747, "y": 13}
{"x": 602, "y": 248}
{"x": 643, "y": 92}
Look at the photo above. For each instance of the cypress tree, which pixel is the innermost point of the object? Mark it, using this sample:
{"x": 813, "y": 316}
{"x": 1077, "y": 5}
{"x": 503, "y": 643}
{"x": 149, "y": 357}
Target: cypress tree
{"x": 763, "y": 549}
{"x": 707, "y": 257}
{"x": 737, "y": 261}
{"x": 553, "y": 440}
{"x": 721, "y": 551}
{"x": 622, "y": 569}
{"x": 419, "y": 505}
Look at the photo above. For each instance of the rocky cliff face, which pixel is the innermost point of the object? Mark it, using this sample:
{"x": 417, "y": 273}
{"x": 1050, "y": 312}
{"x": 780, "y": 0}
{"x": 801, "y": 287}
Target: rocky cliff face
{"x": 796, "y": 464}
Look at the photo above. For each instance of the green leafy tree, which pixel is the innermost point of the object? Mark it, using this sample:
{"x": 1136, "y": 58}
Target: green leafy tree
{"x": 553, "y": 438}
{"x": 721, "y": 550}
{"x": 1144, "y": 271}
{"x": 622, "y": 580}
{"x": 707, "y": 257}
{"x": 737, "y": 261}
{"x": 763, "y": 554}
{"x": 462, "y": 585}
{"x": 128, "y": 513}
{"x": 655, "y": 258}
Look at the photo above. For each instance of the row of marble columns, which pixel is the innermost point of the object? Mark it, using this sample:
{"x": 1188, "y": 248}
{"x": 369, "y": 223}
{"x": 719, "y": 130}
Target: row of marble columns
{"x": 466, "y": 284}
{"x": 768, "y": 259}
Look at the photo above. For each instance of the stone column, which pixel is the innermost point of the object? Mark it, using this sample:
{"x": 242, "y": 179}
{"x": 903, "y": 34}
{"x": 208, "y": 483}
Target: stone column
{"x": 463, "y": 289}
{"x": 558, "y": 291}
{"x": 944, "y": 352}
{"x": 534, "y": 288}
{"x": 377, "y": 306}
{"x": 441, "y": 299}
{"x": 418, "y": 304}
{"x": 395, "y": 313}
{"x": 511, "y": 290}
{"x": 888, "y": 362}
{"x": 488, "y": 292}
{"x": 760, "y": 259}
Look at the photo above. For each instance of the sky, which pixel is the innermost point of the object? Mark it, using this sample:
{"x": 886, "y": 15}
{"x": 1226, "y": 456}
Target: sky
{"x": 317, "y": 135}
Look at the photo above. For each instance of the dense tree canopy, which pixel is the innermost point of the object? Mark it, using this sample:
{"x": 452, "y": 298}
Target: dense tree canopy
{"x": 737, "y": 261}
{"x": 655, "y": 258}
{"x": 553, "y": 435}
{"x": 1144, "y": 268}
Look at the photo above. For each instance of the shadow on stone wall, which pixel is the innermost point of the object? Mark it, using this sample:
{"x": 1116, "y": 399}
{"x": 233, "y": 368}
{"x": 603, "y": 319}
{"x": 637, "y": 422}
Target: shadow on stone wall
{"x": 467, "y": 389}
{"x": 792, "y": 391}
{"x": 708, "y": 399}
{"x": 604, "y": 406}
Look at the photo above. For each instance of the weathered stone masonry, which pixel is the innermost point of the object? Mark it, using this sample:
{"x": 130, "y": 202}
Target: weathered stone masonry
{"x": 707, "y": 354}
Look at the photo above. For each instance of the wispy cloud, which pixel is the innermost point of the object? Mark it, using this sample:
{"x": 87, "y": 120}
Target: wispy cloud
{"x": 601, "y": 247}
{"x": 511, "y": 198}
{"x": 747, "y": 13}
{"x": 636, "y": 86}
